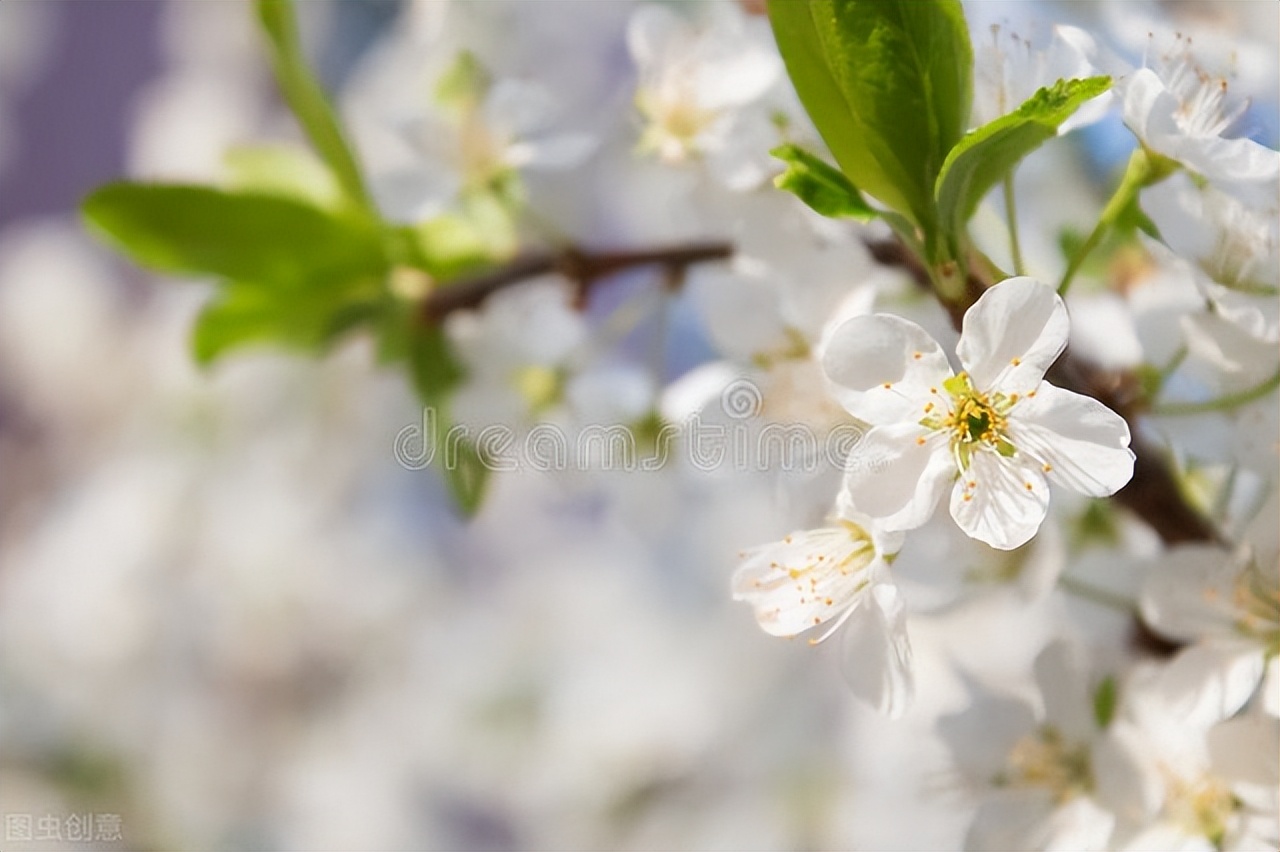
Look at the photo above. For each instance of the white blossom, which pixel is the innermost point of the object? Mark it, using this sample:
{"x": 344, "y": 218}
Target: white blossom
{"x": 1180, "y": 110}
{"x": 829, "y": 576}
{"x": 1228, "y": 606}
{"x": 696, "y": 83}
{"x": 994, "y": 434}
{"x": 484, "y": 141}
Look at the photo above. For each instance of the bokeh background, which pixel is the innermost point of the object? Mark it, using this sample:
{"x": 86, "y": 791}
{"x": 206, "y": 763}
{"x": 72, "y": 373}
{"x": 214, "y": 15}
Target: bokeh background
{"x": 231, "y": 619}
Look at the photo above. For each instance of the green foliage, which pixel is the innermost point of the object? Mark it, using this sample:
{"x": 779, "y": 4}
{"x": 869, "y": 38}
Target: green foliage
{"x": 821, "y": 186}
{"x": 244, "y": 313}
{"x": 984, "y": 156}
{"x": 435, "y": 372}
{"x": 301, "y": 256}
{"x": 888, "y": 85}
{"x": 199, "y": 230}
{"x": 307, "y": 99}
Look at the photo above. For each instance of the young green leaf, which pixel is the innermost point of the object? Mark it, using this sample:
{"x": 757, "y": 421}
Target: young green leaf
{"x": 983, "y": 157}
{"x": 821, "y": 186}
{"x": 307, "y": 99}
{"x": 199, "y": 230}
{"x": 288, "y": 171}
{"x": 888, "y": 84}
{"x": 436, "y": 371}
{"x": 244, "y": 314}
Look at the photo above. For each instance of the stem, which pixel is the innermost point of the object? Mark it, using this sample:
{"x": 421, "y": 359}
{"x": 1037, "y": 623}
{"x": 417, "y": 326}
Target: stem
{"x": 1222, "y": 403}
{"x": 1011, "y": 214}
{"x": 1093, "y": 594}
{"x": 1139, "y": 173}
{"x": 583, "y": 268}
{"x": 307, "y": 100}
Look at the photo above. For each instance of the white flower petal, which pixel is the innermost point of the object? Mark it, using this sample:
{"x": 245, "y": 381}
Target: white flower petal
{"x": 1084, "y": 443}
{"x": 877, "y": 652}
{"x": 1061, "y": 674}
{"x": 1079, "y": 825}
{"x": 866, "y": 353}
{"x": 895, "y": 479}
{"x": 1011, "y": 821}
{"x": 1227, "y": 160}
{"x": 981, "y": 736}
{"x": 1207, "y": 683}
{"x": 651, "y": 32}
{"x": 409, "y": 195}
{"x": 1244, "y": 749}
{"x": 1188, "y": 595}
{"x": 1148, "y": 106}
{"x": 1007, "y": 499}
{"x": 1270, "y": 703}
{"x": 805, "y": 580}
{"x": 1012, "y": 334}
{"x": 555, "y": 153}
{"x": 1168, "y": 837}
{"x": 744, "y": 73}
{"x": 1123, "y": 773}
{"x": 517, "y": 107}
{"x": 741, "y": 310}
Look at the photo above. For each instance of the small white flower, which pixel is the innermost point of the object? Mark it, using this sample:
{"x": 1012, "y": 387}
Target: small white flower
{"x": 829, "y": 576}
{"x": 1043, "y": 774}
{"x": 478, "y": 145}
{"x": 1230, "y": 250}
{"x": 1204, "y": 782}
{"x": 1228, "y": 606}
{"x": 1179, "y": 110}
{"x": 528, "y": 355}
{"x": 992, "y": 433}
{"x": 695, "y": 82}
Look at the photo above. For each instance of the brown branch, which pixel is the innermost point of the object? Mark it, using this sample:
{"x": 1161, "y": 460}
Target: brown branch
{"x": 1153, "y": 493}
{"x": 581, "y": 267}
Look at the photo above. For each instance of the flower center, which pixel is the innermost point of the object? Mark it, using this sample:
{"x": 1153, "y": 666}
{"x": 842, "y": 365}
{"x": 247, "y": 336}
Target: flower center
{"x": 973, "y": 419}
{"x": 1045, "y": 759}
{"x": 540, "y": 386}
{"x": 1201, "y": 97}
{"x": 1202, "y": 806}
{"x": 675, "y": 123}
{"x": 480, "y": 151}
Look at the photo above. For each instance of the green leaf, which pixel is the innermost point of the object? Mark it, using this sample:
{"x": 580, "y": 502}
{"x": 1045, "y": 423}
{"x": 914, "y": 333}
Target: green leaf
{"x": 436, "y": 372}
{"x": 307, "y": 99}
{"x": 1105, "y": 698}
{"x": 983, "y": 157}
{"x": 246, "y": 313}
{"x": 888, "y": 84}
{"x": 824, "y": 188}
{"x": 198, "y": 230}
{"x": 290, "y": 172}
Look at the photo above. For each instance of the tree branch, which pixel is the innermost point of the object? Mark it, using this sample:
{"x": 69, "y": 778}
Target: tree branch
{"x": 1153, "y": 492}
{"x": 583, "y": 268}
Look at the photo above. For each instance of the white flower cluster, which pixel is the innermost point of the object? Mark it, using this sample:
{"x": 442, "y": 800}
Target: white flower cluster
{"x": 1051, "y": 666}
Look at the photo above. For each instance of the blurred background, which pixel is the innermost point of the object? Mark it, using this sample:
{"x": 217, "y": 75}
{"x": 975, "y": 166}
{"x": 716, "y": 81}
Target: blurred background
{"x": 230, "y": 620}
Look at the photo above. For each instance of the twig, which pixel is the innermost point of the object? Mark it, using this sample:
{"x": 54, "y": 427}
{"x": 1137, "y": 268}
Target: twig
{"x": 581, "y": 267}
